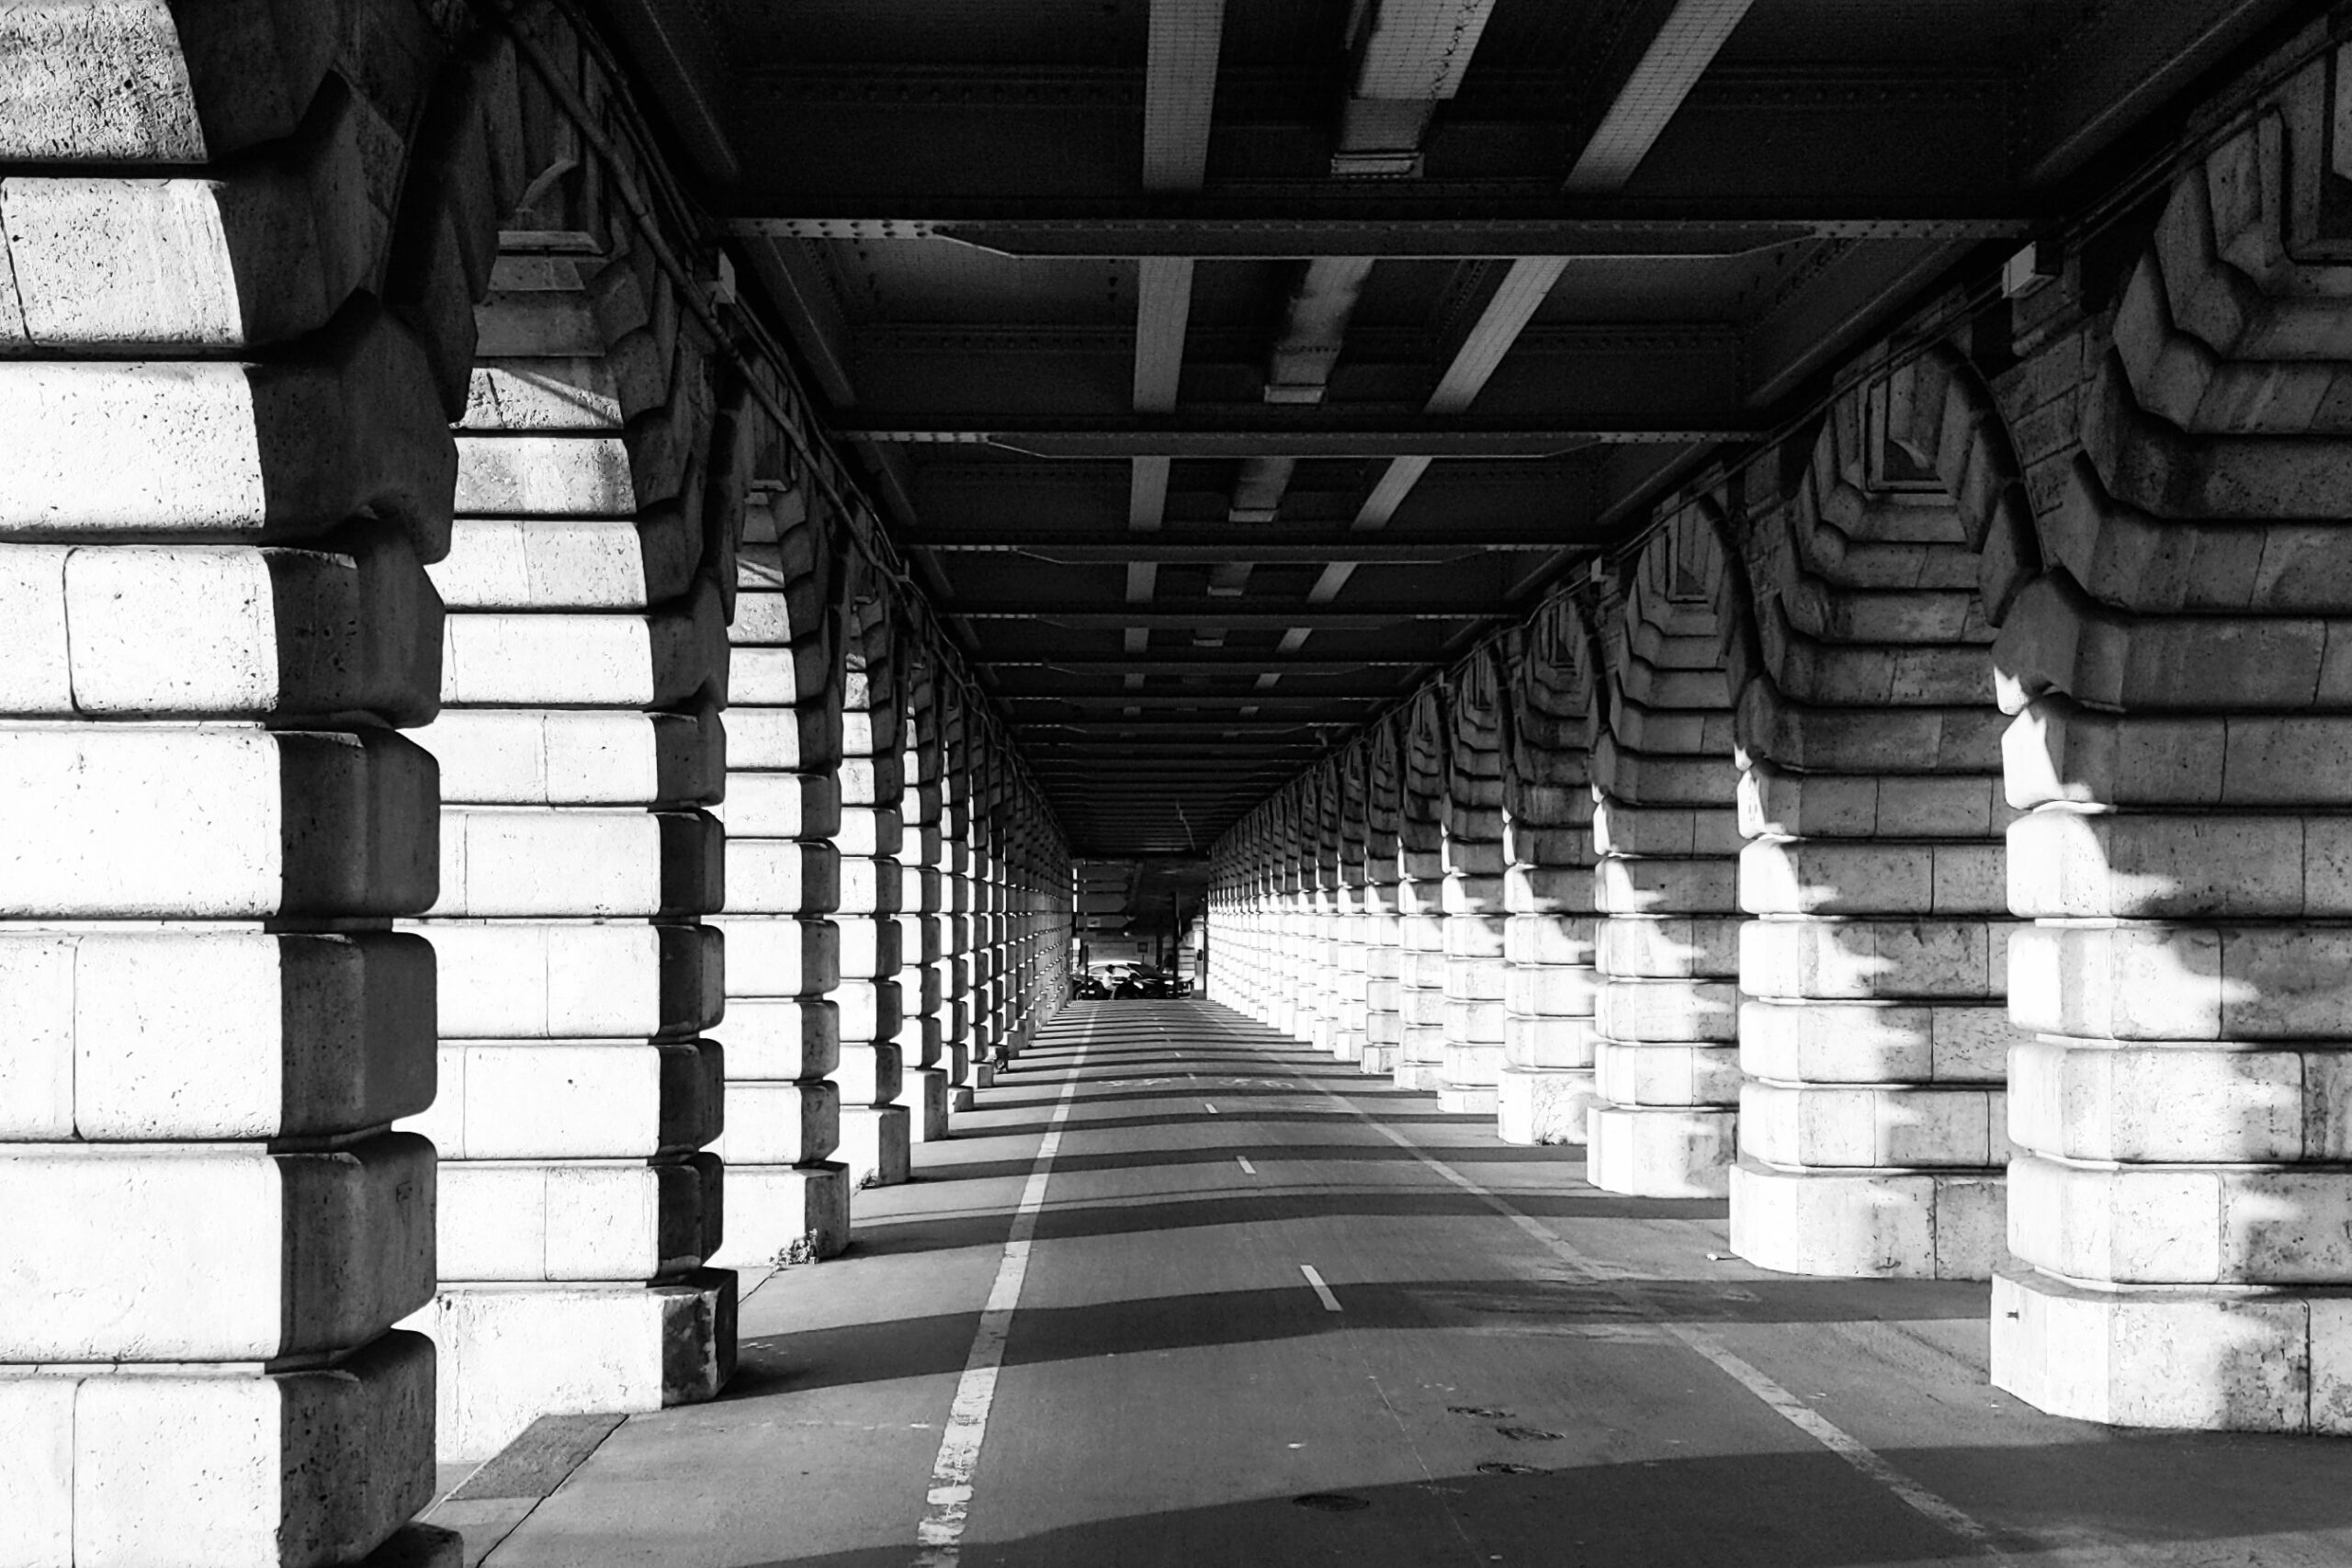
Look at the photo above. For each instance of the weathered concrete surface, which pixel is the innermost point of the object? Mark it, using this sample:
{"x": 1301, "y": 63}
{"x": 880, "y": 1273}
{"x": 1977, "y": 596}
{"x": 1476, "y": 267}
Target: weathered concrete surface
{"x": 1171, "y": 1384}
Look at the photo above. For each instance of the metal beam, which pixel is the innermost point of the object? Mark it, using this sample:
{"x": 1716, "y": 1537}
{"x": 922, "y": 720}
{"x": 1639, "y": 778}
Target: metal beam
{"x": 1180, "y": 91}
{"x": 1344, "y": 431}
{"x": 1422, "y": 221}
{"x": 1676, "y": 55}
{"x": 1242, "y": 546}
{"x": 1226, "y": 613}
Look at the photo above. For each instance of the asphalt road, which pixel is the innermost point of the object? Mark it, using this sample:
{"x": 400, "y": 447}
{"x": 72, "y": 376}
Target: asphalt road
{"x": 1259, "y": 1309}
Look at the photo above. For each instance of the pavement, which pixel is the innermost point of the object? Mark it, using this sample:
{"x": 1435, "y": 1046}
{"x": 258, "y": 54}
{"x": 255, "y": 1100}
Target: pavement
{"x": 1181, "y": 1292}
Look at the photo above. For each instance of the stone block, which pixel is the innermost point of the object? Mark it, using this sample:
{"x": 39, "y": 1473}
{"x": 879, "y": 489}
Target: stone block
{"x": 1877, "y": 1225}
{"x": 535, "y": 756}
{"x": 779, "y": 806}
{"x": 520, "y": 864}
{"x": 2182, "y": 1226}
{"x": 2068, "y": 864}
{"x": 779, "y": 1123}
{"x": 537, "y": 982}
{"x": 222, "y": 453}
{"x": 1548, "y": 1041}
{"x": 922, "y": 1094}
{"x": 1667, "y": 1011}
{"x": 503, "y": 658}
{"x": 572, "y": 473}
{"x": 1667, "y": 1074}
{"x": 2229, "y": 1361}
{"x": 1667, "y": 948}
{"x": 622, "y": 1220}
{"x": 780, "y": 1215}
{"x": 1659, "y": 1153}
{"x": 1707, "y": 829}
{"x": 609, "y": 1100}
{"x": 556, "y": 563}
{"x": 1661, "y": 886}
{"x": 780, "y": 877}
{"x": 875, "y": 1144}
{"x": 1544, "y": 1105}
{"x": 781, "y": 1039}
{"x": 304, "y": 1469}
{"x": 157, "y": 1035}
{"x": 1781, "y": 876}
{"x": 271, "y": 1255}
{"x": 805, "y": 673}
{"x": 1859, "y": 1126}
{"x": 223, "y": 823}
{"x": 510, "y": 1354}
{"x": 1927, "y": 960}
{"x": 1869, "y": 1042}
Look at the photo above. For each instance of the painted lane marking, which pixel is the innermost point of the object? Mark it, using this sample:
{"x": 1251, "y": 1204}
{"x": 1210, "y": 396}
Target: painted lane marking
{"x": 1212, "y": 1108}
{"x": 950, "y": 1496}
{"x": 1787, "y": 1405}
{"x": 1244, "y": 1160}
{"x": 1330, "y": 1301}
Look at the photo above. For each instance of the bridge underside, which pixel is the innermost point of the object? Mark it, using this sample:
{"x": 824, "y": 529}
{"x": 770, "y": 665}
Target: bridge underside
{"x": 606, "y": 607}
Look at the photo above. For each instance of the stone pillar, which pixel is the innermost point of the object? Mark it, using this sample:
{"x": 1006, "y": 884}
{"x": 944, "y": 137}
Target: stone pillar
{"x": 875, "y": 1129}
{"x": 924, "y": 1080}
{"x": 1474, "y": 917}
{"x": 1289, "y": 932}
{"x": 953, "y": 919}
{"x": 1383, "y": 952}
{"x": 787, "y": 1198}
{"x": 1874, "y": 1033}
{"x": 221, "y": 473}
{"x": 2180, "y": 1204}
{"x": 1667, "y": 833}
{"x": 1352, "y": 916}
{"x": 584, "y": 656}
{"x": 1548, "y": 1089}
{"x": 1420, "y": 892}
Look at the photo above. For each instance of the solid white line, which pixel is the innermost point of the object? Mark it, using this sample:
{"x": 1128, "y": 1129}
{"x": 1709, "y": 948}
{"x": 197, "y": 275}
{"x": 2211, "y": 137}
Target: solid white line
{"x": 1246, "y": 1165}
{"x": 950, "y": 1497}
{"x": 1787, "y": 1405}
{"x": 1330, "y": 1301}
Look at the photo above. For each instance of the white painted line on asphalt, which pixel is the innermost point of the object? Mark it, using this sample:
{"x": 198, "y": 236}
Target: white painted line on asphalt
{"x": 1212, "y": 1108}
{"x": 1787, "y": 1405}
{"x": 950, "y": 1497}
{"x": 1244, "y": 1160}
{"x": 1330, "y": 1301}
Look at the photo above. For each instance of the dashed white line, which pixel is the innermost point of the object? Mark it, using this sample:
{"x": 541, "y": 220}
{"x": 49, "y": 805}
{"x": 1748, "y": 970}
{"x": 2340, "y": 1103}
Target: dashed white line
{"x": 1787, "y": 1405}
{"x": 1330, "y": 1301}
{"x": 1212, "y": 1108}
{"x": 950, "y": 1497}
{"x": 1243, "y": 1160}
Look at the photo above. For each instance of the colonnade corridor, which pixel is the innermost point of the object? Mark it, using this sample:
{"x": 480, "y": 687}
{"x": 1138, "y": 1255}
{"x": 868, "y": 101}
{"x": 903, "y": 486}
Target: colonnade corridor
{"x": 1491, "y": 1361}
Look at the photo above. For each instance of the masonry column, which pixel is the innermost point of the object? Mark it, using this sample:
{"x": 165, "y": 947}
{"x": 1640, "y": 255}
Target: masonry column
{"x": 954, "y": 920}
{"x": 584, "y": 656}
{"x": 1474, "y": 920}
{"x": 1384, "y": 1019}
{"x": 1351, "y": 915}
{"x": 1666, "y": 833}
{"x": 1420, "y": 892}
{"x": 787, "y": 1198}
{"x": 2181, "y": 1205}
{"x": 875, "y": 1129}
{"x": 1548, "y": 1089}
{"x": 923, "y": 1082}
{"x": 218, "y": 480}
{"x": 1871, "y": 1125}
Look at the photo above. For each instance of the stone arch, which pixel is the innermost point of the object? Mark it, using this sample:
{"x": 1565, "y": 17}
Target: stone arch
{"x": 2178, "y": 755}
{"x": 1382, "y": 863}
{"x": 1424, "y": 746}
{"x": 1673, "y": 635}
{"x": 1546, "y": 1088}
{"x": 1473, "y": 894}
{"x": 1874, "y": 1033}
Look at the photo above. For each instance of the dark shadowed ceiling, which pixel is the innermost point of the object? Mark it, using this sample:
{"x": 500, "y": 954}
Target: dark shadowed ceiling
{"x": 1225, "y": 366}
